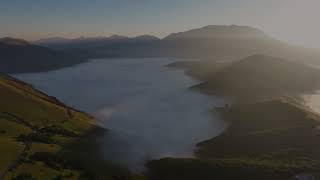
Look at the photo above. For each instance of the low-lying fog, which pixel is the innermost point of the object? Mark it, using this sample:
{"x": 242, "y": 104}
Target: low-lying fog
{"x": 147, "y": 107}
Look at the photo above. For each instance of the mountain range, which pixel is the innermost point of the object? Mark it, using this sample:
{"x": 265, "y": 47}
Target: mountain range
{"x": 273, "y": 138}
{"x": 220, "y": 42}
{"x": 214, "y": 43}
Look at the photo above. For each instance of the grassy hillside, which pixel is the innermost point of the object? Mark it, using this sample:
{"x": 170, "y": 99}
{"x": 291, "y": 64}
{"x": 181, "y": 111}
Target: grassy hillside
{"x": 271, "y": 136}
{"x": 273, "y": 129}
{"x": 42, "y": 138}
{"x": 267, "y": 140}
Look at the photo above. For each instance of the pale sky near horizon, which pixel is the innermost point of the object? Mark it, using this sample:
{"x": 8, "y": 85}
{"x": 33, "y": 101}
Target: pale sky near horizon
{"x": 294, "y": 21}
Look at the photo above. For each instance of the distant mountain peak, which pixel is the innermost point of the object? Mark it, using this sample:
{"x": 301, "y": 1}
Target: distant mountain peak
{"x": 221, "y": 31}
{"x": 14, "y": 41}
{"x": 51, "y": 40}
{"x": 115, "y": 36}
{"x": 146, "y": 37}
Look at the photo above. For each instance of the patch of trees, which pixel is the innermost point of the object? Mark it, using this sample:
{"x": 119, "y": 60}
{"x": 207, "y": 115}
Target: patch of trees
{"x": 24, "y": 176}
{"x": 57, "y": 130}
{"x": 36, "y": 137}
{"x": 3, "y": 131}
{"x": 51, "y": 160}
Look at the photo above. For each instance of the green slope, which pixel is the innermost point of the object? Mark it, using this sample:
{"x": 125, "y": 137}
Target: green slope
{"x": 42, "y": 138}
{"x": 271, "y": 140}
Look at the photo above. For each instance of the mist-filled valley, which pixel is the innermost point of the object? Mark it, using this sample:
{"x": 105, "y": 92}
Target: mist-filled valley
{"x": 162, "y": 115}
{"x": 148, "y": 108}
{"x": 159, "y": 90}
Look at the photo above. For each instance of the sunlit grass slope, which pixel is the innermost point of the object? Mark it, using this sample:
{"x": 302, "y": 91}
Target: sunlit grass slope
{"x": 42, "y": 138}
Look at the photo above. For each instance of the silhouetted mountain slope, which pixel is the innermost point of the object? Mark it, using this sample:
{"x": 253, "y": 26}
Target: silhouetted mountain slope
{"x": 261, "y": 76}
{"x": 113, "y": 46}
{"x": 232, "y": 43}
{"x": 219, "y": 31}
{"x": 19, "y": 56}
{"x": 146, "y": 38}
{"x": 91, "y": 42}
{"x": 51, "y": 40}
{"x": 14, "y": 42}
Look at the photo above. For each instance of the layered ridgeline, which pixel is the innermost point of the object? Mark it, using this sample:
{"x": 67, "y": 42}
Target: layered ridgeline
{"x": 19, "y": 56}
{"x": 113, "y": 46}
{"x": 218, "y": 42}
{"x": 270, "y": 135}
{"x": 214, "y": 42}
{"x": 258, "y": 77}
{"x": 42, "y": 138}
{"x": 88, "y": 42}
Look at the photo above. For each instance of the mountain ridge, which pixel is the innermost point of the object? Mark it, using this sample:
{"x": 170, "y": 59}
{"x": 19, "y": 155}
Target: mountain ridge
{"x": 216, "y": 42}
{"x": 262, "y": 76}
{"x": 20, "y": 56}
{"x": 14, "y": 41}
{"x": 216, "y": 31}
{"x": 213, "y": 42}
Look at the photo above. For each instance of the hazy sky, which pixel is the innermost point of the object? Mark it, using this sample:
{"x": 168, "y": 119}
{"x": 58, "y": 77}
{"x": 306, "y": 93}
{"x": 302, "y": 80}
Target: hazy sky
{"x": 295, "y": 21}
